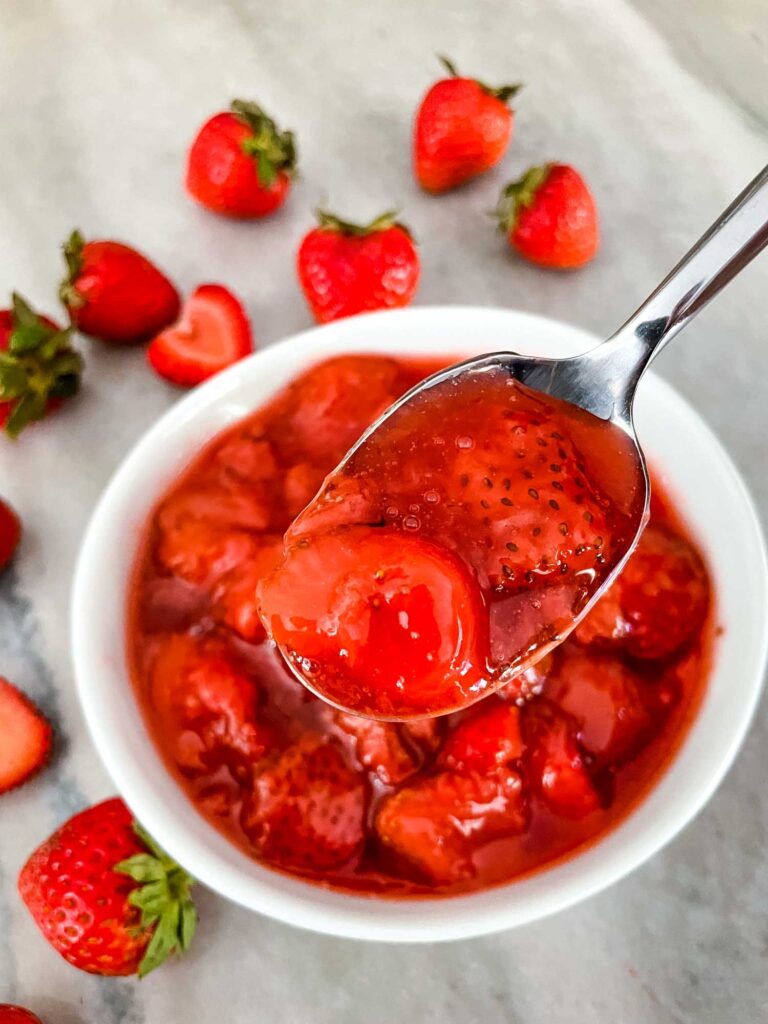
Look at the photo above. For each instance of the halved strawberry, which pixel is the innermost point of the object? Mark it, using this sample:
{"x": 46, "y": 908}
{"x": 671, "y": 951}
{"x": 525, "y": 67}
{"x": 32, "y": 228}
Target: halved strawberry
{"x": 209, "y": 703}
{"x": 10, "y": 534}
{"x": 379, "y": 747}
{"x": 659, "y": 601}
{"x": 604, "y": 698}
{"x": 27, "y": 737}
{"x": 554, "y": 762}
{"x": 487, "y": 738}
{"x": 378, "y": 621}
{"x": 306, "y": 810}
{"x": 437, "y": 824}
{"x": 212, "y": 332}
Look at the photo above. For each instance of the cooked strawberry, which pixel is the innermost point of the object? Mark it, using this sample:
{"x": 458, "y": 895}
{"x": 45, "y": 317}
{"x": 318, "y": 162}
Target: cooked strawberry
{"x": 554, "y": 762}
{"x": 234, "y": 596}
{"x": 250, "y": 459}
{"x": 379, "y": 747}
{"x": 114, "y": 293}
{"x": 240, "y": 163}
{"x": 10, "y": 532}
{"x": 606, "y": 701}
{"x": 462, "y": 129}
{"x": 39, "y": 369}
{"x": 210, "y": 704}
{"x": 198, "y": 551}
{"x": 426, "y": 734}
{"x": 106, "y": 897}
{"x": 659, "y": 601}
{"x": 550, "y": 217}
{"x": 300, "y": 485}
{"x": 306, "y": 810}
{"x": 26, "y": 737}
{"x": 439, "y": 822}
{"x": 376, "y": 620}
{"x": 17, "y": 1015}
{"x": 349, "y": 268}
{"x": 487, "y": 738}
{"x": 212, "y": 332}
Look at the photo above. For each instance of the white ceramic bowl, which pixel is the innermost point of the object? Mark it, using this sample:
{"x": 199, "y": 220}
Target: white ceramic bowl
{"x": 696, "y": 470}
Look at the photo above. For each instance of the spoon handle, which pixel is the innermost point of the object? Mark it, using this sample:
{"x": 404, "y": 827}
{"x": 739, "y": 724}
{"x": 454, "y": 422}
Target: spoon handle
{"x": 736, "y": 237}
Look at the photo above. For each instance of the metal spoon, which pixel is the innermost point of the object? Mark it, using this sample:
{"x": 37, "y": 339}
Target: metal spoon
{"x": 603, "y": 382}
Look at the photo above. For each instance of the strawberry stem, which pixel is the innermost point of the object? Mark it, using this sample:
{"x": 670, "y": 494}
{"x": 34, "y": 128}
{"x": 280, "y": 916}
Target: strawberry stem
{"x": 383, "y": 222}
{"x": 501, "y": 92}
{"x": 520, "y": 195}
{"x": 272, "y": 149}
{"x": 73, "y": 256}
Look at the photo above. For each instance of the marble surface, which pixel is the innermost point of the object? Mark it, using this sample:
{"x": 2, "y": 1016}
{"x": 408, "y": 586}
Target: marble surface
{"x": 662, "y": 110}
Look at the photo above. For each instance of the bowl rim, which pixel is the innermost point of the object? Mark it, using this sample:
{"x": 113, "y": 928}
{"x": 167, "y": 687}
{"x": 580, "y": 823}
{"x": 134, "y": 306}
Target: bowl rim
{"x": 157, "y": 799}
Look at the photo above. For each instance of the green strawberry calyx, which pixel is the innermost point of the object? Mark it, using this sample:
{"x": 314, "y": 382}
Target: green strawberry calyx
{"x": 73, "y": 256}
{"x": 501, "y": 92}
{"x": 272, "y": 149}
{"x": 520, "y": 195}
{"x": 38, "y": 365}
{"x": 163, "y": 899}
{"x": 385, "y": 221}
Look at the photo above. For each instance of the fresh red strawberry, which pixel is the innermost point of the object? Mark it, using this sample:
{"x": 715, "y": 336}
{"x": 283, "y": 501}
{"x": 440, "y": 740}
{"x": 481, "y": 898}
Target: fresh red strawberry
{"x": 554, "y": 763}
{"x": 379, "y": 747}
{"x": 17, "y": 1015}
{"x": 26, "y": 738}
{"x": 240, "y": 163}
{"x": 39, "y": 369}
{"x": 659, "y": 601}
{"x": 114, "y": 293}
{"x": 10, "y": 533}
{"x": 307, "y": 809}
{"x": 439, "y": 822}
{"x": 487, "y": 738}
{"x": 212, "y": 332}
{"x": 348, "y": 268}
{"x": 234, "y": 596}
{"x": 604, "y": 698}
{"x": 462, "y": 129}
{"x": 550, "y": 217}
{"x": 382, "y": 622}
{"x": 106, "y": 897}
{"x": 209, "y": 703}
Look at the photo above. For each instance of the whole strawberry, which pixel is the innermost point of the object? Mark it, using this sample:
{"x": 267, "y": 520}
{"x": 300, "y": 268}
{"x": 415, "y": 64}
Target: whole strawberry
{"x": 10, "y": 533}
{"x": 462, "y": 129}
{"x": 348, "y": 268}
{"x": 240, "y": 163}
{"x": 17, "y": 1015}
{"x": 113, "y": 293}
{"x": 106, "y": 897}
{"x": 39, "y": 368}
{"x": 550, "y": 217}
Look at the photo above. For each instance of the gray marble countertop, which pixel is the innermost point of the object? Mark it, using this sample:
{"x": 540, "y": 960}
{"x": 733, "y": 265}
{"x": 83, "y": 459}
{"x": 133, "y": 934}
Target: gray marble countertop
{"x": 664, "y": 109}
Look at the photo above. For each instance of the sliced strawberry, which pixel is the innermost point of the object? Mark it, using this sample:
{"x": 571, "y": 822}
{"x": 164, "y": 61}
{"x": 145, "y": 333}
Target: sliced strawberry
{"x": 555, "y": 765}
{"x": 377, "y": 621}
{"x": 26, "y": 737}
{"x": 209, "y": 704}
{"x": 605, "y": 699}
{"x": 659, "y": 601}
{"x": 10, "y": 534}
{"x": 379, "y": 747}
{"x": 306, "y": 810}
{"x": 487, "y": 738}
{"x": 234, "y": 596}
{"x": 212, "y": 332}
{"x": 439, "y": 822}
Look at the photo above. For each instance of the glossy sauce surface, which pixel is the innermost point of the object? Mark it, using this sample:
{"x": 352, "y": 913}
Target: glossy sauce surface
{"x": 475, "y": 798}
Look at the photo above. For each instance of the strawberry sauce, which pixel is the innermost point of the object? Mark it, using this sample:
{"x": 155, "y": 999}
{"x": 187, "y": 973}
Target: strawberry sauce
{"x": 532, "y": 773}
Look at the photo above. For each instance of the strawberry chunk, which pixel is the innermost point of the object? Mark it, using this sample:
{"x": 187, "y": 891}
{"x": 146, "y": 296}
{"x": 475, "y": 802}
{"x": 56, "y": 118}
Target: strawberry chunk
{"x": 605, "y": 699}
{"x": 208, "y": 705}
{"x": 426, "y": 734}
{"x": 377, "y": 621}
{"x": 487, "y": 738}
{"x": 379, "y": 747}
{"x": 555, "y": 765}
{"x": 10, "y": 534}
{"x": 658, "y": 602}
{"x": 234, "y": 596}
{"x": 196, "y": 551}
{"x": 437, "y": 824}
{"x": 27, "y": 737}
{"x": 212, "y": 332}
{"x": 306, "y": 810}
{"x": 301, "y": 484}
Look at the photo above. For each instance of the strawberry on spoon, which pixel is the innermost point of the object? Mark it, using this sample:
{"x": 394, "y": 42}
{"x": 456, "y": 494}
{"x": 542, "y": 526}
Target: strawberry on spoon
{"x": 212, "y": 332}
